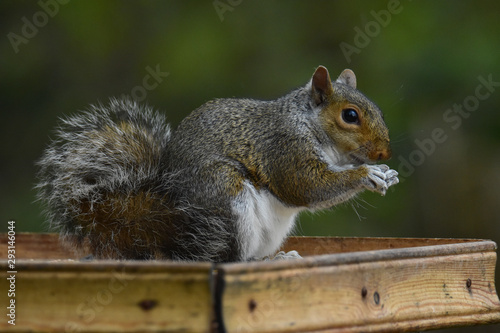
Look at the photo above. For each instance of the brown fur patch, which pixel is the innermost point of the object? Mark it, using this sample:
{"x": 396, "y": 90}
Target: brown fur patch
{"x": 128, "y": 226}
{"x": 130, "y": 139}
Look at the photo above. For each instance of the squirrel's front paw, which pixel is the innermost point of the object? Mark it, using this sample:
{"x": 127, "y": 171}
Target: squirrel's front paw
{"x": 380, "y": 178}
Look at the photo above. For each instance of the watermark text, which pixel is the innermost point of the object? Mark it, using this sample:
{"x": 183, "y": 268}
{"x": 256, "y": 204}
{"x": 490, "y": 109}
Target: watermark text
{"x": 31, "y": 27}
{"x": 11, "y": 273}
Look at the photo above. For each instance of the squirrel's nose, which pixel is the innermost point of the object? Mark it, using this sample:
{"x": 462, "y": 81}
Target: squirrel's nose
{"x": 378, "y": 155}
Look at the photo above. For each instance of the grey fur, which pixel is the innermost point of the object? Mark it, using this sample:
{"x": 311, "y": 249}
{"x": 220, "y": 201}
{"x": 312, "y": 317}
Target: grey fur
{"x": 79, "y": 165}
{"x": 105, "y": 158}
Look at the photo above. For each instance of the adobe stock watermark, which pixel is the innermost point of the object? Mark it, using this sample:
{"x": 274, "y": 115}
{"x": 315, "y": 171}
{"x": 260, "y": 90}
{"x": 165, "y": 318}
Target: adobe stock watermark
{"x": 30, "y": 27}
{"x": 11, "y": 272}
{"x": 150, "y": 82}
{"x": 93, "y": 305}
{"x": 453, "y": 118}
{"x": 223, "y": 6}
{"x": 363, "y": 37}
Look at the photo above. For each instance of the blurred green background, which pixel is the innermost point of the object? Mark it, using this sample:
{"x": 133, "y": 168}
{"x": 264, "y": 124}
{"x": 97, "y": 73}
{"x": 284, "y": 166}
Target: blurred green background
{"x": 418, "y": 60}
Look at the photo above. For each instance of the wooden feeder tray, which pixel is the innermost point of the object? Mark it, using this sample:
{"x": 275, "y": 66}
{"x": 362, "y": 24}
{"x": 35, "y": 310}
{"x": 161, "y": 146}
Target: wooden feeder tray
{"x": 342, "y": 285}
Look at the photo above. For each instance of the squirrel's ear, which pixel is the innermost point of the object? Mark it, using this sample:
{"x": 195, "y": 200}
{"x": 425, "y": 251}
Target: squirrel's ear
{"x": 321, "y": 85}
{"x": 347, "y": 77}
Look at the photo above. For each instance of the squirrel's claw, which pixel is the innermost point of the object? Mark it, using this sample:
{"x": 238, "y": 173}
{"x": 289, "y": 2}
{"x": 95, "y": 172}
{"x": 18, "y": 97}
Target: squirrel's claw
{"x": 380, "y": 178}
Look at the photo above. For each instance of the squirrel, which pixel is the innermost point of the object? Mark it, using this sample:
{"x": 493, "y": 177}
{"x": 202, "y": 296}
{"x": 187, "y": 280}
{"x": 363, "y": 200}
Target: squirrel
{"x": 226, "y": 185}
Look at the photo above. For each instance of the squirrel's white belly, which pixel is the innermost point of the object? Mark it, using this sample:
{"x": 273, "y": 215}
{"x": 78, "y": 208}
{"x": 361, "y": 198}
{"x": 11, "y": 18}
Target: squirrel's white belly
{"x": 264, "y": 222}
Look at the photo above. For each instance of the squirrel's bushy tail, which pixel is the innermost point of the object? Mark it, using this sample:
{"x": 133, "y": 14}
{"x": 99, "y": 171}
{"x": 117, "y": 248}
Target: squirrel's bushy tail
{"x": 107, "y": 187}
{"x": 104, "y": 183}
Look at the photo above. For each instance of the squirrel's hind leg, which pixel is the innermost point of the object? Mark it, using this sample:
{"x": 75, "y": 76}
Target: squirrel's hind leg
{"x": 282, "y": 255}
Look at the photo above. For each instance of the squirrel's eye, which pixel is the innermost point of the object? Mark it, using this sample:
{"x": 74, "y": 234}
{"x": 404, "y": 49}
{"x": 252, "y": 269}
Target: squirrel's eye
{"x": 350, "y": 116}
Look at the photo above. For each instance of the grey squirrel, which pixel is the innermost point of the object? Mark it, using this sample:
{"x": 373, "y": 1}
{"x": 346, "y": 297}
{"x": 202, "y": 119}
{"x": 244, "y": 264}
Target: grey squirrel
{"x": 225, "y": 186}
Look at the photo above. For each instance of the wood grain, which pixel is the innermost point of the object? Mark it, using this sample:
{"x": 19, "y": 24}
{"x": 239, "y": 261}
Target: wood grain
{"x": 309, "y": 246}
{"x": 394, "y": 290}
{"x": 37, "y": 246}
{"x": 111, "y": 296}
{"x": 342, "y": 285}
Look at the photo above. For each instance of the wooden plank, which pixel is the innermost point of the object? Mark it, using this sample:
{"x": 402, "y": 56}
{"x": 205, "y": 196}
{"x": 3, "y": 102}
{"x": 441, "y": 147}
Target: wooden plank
{"x": 309, "y": 246}
{"x": 110, "y": 296}
{"x": 342, "y": 285}
{"x": 48, "y": 246}
{"x": 396, "y": 290}
{"x": 37, "y": 246}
